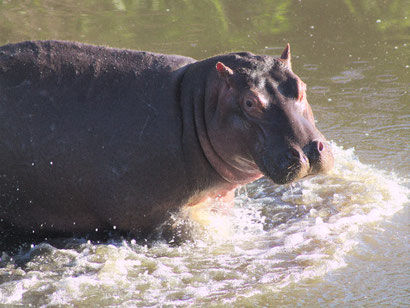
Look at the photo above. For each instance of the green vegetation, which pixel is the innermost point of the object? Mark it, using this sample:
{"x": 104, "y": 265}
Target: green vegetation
{"x": 192, "y": 26}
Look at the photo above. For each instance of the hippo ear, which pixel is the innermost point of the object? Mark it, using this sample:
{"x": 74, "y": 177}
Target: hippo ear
{"x": 223, "y": 71}
{"x": 286, "y": 56}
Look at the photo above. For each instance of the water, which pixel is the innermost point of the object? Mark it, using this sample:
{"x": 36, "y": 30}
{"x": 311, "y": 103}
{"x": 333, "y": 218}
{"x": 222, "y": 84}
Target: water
{"x": 275, "y": 239}
{"x": 336, "y": 240}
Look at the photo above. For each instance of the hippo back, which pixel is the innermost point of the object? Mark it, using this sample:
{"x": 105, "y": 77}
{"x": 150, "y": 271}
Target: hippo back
{"x": 84, "y": 129}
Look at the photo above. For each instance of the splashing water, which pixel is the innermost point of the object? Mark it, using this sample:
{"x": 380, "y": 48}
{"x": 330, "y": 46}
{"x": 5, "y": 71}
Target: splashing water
{"x": 274, "y": 237}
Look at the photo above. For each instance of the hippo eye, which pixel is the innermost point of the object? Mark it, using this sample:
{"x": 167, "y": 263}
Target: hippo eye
{"x": 249, "y": 103}
{"x": 252, "y": 106}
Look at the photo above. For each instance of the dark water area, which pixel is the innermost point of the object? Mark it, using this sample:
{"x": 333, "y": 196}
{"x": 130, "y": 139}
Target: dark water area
{"x": 333, "y": 241}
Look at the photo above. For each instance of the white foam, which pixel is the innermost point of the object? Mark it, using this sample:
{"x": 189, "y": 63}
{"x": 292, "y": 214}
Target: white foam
{"x": 278, "y": 237}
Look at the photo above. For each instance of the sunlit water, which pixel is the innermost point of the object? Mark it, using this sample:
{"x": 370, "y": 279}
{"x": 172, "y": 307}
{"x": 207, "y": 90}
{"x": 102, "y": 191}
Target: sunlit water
{"x": 340, "y": 240}
{"x": 275, "y": 238}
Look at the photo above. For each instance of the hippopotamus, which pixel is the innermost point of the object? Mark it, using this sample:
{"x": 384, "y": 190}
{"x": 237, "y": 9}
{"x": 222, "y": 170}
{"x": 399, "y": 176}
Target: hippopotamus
{"x": 94, "y": 138}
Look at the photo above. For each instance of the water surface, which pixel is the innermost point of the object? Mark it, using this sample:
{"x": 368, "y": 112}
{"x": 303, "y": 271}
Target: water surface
{"x": 334, "y": 240}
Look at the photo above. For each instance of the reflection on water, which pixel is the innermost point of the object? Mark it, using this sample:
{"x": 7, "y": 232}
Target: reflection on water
{"x": 274, "y": 238}
{"x": 202, "y": 28}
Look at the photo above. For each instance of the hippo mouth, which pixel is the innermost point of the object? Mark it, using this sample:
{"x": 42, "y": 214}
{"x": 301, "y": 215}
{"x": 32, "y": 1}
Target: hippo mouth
{"x": 291, "y": 174}
{"x": 286, "y": 169}
{"x": 281, "y": 171}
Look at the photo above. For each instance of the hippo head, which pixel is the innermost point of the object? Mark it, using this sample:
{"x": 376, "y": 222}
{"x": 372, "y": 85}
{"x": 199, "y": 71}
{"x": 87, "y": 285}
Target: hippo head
{"x": 257, "y": 121}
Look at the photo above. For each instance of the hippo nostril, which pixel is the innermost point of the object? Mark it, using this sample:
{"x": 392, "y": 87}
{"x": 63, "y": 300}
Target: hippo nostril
{"x": 317, "y": 146}
{"x": 293, "y": 154}
{"x": 320, "y": 146}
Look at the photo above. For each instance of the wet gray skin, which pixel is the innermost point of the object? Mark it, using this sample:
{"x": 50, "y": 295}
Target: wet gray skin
{"x": 123, "y": 138}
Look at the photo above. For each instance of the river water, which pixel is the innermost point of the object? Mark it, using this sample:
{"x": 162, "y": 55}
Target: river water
{"x": 340, "y": 240}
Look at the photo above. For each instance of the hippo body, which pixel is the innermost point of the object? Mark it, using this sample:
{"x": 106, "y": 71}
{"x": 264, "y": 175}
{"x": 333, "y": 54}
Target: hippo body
{"x": 96, "y": 138}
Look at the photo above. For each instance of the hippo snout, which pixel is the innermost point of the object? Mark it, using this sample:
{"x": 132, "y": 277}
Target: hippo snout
{"x": 295, "y": 162}
{"x": 320, "y": 156}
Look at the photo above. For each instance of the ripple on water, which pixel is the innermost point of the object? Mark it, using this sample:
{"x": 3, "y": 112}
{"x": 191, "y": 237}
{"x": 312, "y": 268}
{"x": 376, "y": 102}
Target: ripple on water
{"x": 348, "y": 76}
{"x": 274, "y": 237}
{"x": 387, "y": 78}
